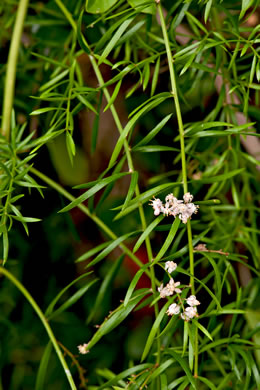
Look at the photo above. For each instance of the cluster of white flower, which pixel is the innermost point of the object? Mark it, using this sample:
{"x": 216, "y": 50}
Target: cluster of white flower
{"x": 83, "y": 349}
{"x": 170, "y": 266}
{"x": 175, "y": 207}
{"x": 191, "y": 310}
{"x": 171, "y": 288}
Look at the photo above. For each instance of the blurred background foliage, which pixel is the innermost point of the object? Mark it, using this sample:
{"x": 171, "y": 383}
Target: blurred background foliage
{"x": 45, "y": 260}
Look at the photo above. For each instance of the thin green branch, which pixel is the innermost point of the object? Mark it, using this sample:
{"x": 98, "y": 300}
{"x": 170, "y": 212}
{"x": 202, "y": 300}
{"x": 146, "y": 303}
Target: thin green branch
{"x": 183, "y": 156}
{"x": 181, "y": 132}
{"x": 44, "y": 321}
{"x": 137, "y": 191}
{"x": 11, "y": 68}
{"x": 67, "y": 14}
{"x": 4, "y": 219}
{"x": 175, "y": 97}
{"x": 126, "y": 147}
{"x": 191, "y": 256}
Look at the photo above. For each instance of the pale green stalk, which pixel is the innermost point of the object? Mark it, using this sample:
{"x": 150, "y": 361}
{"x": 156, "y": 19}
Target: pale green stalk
{"x": 11, "y": 68}
{"x": 183, "y": 156}
{"x": 44, "y": 322}
{"x": 137, "y": 191}
{"x": 67, "y": 14}
{"x": 126, "y": 147}
{"x": 6, "y": 206}
{"x": 181, "y": 133}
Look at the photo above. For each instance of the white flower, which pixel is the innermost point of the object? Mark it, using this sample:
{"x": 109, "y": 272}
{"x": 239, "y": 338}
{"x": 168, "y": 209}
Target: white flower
{"x": 164, "y": 292}
{"x": 157, "y": 206}
{"x": 157, "y": 211}
{"x": 191, "y": 208}
{"x": 173, "y": 309}
{"x": 83, "y": 349}
{"x": 175, "y": 211}
{"x": 171, "y": 199}
{"x": 183, "y": 218}
{"x": 169, "y": 289}
{"x": 167, "y": 209}
{"x": 187, "y": 197}
{"x": 186, "y": 211}
{"x": 192, "y": 301}
{"x": 171, "y": 286}
{"x": 170, "y": 266}
{"x": 189, "y": 313}
{"x": 175, "y": 207}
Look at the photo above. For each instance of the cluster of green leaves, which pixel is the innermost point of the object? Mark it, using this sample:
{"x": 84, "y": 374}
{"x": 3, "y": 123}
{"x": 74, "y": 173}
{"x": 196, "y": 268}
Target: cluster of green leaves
{"x": 15, "y": 175}
{"x": 216, "y": 60}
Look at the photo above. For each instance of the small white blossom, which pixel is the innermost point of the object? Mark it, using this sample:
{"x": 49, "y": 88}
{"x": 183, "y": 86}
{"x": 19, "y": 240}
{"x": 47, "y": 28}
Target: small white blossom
{"x": 184, "y": 316}
{"x": 164, "y": 292}
{"x": 173, "y": 309}
{"x": 169, "y": 289}
{"x": 83, "y": 349}
{"x": 157, "y": 206}
{"x": 167, "y": 209}
{"x": 187, "y": 197}
{"x": 175, "y": 207}
{"x": 192, "y": 301}
{"x": 170, "y": 266}
{"x": 157, "y": 211}
{"x": 172, "y": 200}
{"x": 189, "y": 313}
{"x": 172, "y": 287}
{"x": 183, "y": 218}
{"x": 191, "y": 208}
{"x": 201, "y": 247}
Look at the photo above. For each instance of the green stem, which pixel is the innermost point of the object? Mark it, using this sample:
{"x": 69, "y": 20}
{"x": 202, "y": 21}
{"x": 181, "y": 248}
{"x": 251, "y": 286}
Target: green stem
{"x": 181, "y": 132}
{"x": 113, "y": 110}
{"x": 86, "y": 211}
{"x": 44, "y": 321}
{"x": 137, "y": 191}
{"x": 127, "y": 150}
{"x": 191, "y": 256}
{"x": 175, "y": 97}
{"x": 67, "y": 14}
{"x": 4, "y": 218}
{"x": 196, "y": 354}
{"x": 183, "y": 156}
{"x": 11, "y": 68}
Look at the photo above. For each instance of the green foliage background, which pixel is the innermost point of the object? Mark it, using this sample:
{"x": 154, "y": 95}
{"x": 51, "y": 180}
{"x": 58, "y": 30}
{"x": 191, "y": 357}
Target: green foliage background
{"x": 123, "y": 101}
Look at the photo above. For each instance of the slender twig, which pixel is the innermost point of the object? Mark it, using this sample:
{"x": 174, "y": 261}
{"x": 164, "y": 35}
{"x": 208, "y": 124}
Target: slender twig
{"x": 44, "y": 321}
{"x": 183, "y": 155}
{"x": 181, "y": 133}
{"x": 81, "y": 370}
{"x": 137, "y": 191}
{"x": 67, "y": 14}
{"x": 202, "y": 248}
{"x": 11, "y": 68}
{"x": 4, "y": 219}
